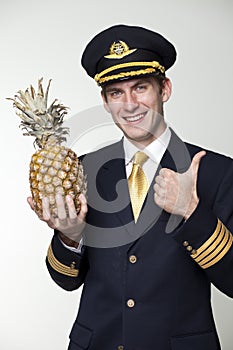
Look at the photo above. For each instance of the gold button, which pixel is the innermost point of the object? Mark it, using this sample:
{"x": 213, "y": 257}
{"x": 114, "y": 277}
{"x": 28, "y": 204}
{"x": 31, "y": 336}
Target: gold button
{"x": 194, "y": 252}
{"x": 130, "y": 303}
{"x": 120, "y": 347}
{"x": 132, "y": 259}
{"x": 72, "y": 265}
{"x": 189, "y": 248}
{"x": 185, "y": 243}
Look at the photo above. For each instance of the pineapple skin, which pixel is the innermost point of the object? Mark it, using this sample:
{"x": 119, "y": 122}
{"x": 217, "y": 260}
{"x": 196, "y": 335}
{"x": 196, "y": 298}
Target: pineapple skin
{"x": 55, "y": 170}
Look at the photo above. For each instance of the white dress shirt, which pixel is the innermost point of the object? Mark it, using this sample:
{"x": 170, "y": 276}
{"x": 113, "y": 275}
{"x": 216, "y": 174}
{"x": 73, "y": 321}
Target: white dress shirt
{"x": 155, "y": 152}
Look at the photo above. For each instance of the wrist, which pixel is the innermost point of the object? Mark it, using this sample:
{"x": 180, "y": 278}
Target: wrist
{"x": 66, "y": 240}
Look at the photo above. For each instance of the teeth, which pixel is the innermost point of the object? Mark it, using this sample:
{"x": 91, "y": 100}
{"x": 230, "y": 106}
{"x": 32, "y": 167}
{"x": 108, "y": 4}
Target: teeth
{"x": 134, "y": 119}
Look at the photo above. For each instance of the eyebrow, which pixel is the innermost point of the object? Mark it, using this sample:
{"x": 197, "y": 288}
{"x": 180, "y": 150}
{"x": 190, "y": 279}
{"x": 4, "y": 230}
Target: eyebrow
{"x": 111, "y": 88}
{"x": 115, "y": 88}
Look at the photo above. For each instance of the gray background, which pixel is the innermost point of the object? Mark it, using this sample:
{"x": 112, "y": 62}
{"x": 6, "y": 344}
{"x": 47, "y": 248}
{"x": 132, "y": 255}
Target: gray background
{"x": 46, "y": 38}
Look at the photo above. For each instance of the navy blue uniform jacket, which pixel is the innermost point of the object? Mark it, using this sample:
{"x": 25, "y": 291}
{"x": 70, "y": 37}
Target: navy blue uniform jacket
{"x": 146, "y": 286}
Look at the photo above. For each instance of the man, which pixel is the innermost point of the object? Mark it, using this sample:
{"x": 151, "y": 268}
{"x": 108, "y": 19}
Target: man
{"x": 156, "y": 231}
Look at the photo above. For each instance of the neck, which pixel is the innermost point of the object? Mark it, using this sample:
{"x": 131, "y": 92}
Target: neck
{"x": 143, "y": 143}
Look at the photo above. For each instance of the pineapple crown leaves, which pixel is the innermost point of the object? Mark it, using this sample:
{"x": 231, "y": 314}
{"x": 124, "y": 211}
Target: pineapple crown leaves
{"x": 39, "y": 120}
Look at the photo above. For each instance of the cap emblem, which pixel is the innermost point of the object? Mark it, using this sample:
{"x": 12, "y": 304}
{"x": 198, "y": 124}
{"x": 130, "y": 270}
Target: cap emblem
{"x": 119, "y": 49}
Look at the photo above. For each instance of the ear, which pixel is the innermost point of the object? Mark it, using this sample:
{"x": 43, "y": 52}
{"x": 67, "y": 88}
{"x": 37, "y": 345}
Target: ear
{"x": 167, "y": 90}
{"x": 105, "y": 103}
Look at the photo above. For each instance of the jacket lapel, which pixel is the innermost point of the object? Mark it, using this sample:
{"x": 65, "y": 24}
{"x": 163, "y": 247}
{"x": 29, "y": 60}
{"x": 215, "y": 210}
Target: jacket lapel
{"x": 110, "y": 220}
{"x": 114, "y": 185}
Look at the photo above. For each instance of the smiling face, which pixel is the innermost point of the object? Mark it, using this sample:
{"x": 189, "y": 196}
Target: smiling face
{"x": 136, "y": 106}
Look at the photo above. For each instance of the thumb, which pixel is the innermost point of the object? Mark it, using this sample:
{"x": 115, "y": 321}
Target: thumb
{"x": 194, "y": 167}
{"x": 30, "y": 202}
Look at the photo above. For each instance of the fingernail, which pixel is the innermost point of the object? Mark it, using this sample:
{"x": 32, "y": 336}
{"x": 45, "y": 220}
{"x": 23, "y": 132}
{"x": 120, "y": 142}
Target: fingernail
{"x": 81, "y": 196}
{"x": 68, "y": 198}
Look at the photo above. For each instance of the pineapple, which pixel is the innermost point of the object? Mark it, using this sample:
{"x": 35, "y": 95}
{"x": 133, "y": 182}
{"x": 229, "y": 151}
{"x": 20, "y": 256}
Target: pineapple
{"x": 54, "y": 168}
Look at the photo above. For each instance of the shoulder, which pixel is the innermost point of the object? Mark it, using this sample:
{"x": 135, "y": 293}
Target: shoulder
{"x": 214, "y": 167}
{"x": 211, "y": 157}
{"x": 183, "y": 152}
{"x": 116, "y": 147}
{"x": 98, "y": 158}
{"x": 215, "y": 158}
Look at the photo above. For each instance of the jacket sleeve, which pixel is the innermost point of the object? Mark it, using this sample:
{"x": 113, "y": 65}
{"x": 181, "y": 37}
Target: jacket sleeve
{"x": 207, "y": 235}
{"x": 67, "y": 268}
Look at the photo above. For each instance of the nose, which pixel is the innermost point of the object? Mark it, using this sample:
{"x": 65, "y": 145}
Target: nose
{"x": 130, "y": 102}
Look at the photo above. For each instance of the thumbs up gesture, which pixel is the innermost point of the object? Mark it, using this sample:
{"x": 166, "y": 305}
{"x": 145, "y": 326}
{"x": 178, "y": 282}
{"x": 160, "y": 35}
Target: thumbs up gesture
{"x": 177, "y": 193}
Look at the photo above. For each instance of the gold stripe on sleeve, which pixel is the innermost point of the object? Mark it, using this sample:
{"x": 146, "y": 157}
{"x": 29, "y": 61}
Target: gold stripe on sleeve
{"x": 220, "y": 255}
{"x": 217, "y": 249}
{"x": 212, "y": 247}
{"x": 59, "y": 267}
{"x": 209, "y": 241}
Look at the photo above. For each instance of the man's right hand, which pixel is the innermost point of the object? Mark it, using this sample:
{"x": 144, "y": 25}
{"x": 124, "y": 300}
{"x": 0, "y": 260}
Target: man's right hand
{"x": 69, "y": 225}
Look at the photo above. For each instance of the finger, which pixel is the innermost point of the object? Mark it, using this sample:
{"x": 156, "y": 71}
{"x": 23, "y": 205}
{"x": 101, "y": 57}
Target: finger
{"x": 156, "y": 188}
{"x": 61, "y": 209}
{"x": 45, "y": 209}
{"x": 160, "y": 181}
{"x": 159, "y": 191}
{"x": 30, "y": 202}
{"x": 83, "y": 199}
{"x": 46, "y": 214}
{"x": 166, "y": 173}
{"x": 194, "y": 167}
{"x": 196, "y": 160}
{"x": 71, "y": 208}
{"x": 158, "y": 200}
{"x": 83, "y": 210}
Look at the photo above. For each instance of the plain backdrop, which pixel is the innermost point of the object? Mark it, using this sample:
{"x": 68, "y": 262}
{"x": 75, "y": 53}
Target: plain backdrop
{"x": 45, "y": 39}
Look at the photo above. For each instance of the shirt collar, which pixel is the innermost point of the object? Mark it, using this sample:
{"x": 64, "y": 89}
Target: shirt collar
{"x": 155, "y": 150}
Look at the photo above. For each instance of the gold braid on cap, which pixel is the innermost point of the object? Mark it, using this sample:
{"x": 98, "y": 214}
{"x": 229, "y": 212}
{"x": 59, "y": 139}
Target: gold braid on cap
{"x": 154, "y": 65}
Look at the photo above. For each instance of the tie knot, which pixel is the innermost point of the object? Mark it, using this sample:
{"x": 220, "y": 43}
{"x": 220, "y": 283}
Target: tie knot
{"x": 140, "y": 158}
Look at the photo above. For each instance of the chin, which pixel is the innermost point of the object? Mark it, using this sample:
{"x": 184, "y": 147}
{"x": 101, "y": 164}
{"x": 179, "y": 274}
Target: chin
{"x": 143, "y": 139}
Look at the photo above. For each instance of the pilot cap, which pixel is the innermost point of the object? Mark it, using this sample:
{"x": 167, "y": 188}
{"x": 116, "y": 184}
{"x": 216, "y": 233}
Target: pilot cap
{"x": 125, "y": 52}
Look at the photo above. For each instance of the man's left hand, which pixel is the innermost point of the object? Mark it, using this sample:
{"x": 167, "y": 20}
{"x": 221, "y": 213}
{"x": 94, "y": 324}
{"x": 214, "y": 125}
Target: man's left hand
{"x": 177, "y": 193}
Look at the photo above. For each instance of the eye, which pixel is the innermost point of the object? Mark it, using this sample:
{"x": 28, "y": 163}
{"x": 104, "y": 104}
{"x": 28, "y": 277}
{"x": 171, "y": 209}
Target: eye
{"x": 141, "y": 87}
{"x": 114, "y": 93}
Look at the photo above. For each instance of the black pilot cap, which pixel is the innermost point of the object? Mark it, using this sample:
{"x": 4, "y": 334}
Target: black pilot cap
{"x": 125, "y": 52}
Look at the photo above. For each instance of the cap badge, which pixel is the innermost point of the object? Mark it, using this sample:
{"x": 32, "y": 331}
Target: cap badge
{"x": 119, "y": 49}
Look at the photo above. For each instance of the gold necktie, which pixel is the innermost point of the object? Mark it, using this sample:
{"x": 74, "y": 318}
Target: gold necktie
{"x": 138, "y": 184}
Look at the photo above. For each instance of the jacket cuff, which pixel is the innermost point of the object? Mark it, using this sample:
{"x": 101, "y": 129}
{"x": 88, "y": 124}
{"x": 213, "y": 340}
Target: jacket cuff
{"x": 204, "y": 237}
{"x": 62, "y": 260}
